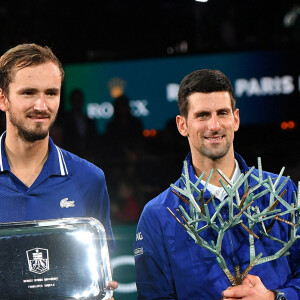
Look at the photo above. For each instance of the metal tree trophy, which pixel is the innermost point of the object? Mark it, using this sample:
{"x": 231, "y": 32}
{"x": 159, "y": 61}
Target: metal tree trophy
{"x": 244, "y": 206}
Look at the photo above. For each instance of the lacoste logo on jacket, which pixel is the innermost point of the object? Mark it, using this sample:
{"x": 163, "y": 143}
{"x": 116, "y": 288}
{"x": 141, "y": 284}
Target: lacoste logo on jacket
{"x": 66, "y": 203}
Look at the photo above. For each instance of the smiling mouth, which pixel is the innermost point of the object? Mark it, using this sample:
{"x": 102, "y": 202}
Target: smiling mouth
{"x": 39, "y": 117}
{"x": 214, "y": 139}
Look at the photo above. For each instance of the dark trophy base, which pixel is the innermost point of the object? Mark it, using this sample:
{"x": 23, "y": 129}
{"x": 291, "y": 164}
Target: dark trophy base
{"x": 54, "y": 259}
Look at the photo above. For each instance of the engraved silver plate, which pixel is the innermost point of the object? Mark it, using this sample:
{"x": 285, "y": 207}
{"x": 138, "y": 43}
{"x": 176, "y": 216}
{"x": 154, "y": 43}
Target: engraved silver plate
{"x": 54, "y": 259}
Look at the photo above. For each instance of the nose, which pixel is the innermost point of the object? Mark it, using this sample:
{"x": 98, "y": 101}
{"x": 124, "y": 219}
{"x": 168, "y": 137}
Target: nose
{"x": 40, "y": 104}
{"x": 214, "y": 124}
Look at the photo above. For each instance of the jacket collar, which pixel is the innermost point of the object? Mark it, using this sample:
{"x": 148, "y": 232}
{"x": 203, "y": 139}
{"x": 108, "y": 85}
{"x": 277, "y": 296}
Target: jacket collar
{"x": 55, "y": 164}
{"x": 242, "y": 164}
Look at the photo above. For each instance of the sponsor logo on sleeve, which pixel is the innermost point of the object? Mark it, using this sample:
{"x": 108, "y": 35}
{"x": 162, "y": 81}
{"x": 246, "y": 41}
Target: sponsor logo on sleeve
{"x": 139, "y": 236}
{"x": 138, "y": 251}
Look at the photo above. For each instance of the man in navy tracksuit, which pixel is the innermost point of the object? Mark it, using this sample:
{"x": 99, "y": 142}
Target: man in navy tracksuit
{"x": 169, "y": 264}
{"x": 38, "y": 180}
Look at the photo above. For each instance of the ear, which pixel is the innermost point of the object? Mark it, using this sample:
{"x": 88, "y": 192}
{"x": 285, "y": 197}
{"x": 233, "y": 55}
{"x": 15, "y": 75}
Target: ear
{"x": 181, "y": 125}
{"x": 236, "y": 115}
{"x": 3, "y": 101}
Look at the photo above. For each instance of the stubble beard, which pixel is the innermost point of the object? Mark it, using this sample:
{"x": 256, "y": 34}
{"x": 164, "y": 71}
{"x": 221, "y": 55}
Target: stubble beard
{"x": 215, "y": 154}
{"x": 30, "y": 135}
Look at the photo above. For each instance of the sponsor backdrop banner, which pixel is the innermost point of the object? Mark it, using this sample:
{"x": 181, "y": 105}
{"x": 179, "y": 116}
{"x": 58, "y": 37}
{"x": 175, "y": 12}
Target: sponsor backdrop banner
{"x": 266, "y": 84}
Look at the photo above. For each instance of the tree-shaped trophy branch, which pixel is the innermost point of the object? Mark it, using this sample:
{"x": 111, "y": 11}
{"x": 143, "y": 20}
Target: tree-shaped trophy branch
{"x": 200, "y": 218}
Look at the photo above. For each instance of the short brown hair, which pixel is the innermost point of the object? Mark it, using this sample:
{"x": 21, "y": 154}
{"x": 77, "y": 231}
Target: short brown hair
{"x": 23, "y": 56}
{"x": 203, "y": 81}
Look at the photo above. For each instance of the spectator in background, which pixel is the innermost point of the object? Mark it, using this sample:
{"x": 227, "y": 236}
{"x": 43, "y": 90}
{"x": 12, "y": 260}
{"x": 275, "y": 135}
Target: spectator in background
{"x": 80, "y": 134}
{"x": 124, "y": 131}
{"x": 125, "y": 207}
{"x": 123, "y": 143}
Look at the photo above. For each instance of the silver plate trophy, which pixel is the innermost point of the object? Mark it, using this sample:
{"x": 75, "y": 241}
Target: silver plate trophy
{"x": 54, "y": 259}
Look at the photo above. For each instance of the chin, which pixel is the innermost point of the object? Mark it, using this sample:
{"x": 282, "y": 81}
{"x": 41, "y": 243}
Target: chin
{"x": 217, "y": 155}
{"x": 33, "y": 135}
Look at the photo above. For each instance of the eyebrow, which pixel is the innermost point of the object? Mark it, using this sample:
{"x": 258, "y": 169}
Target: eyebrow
{"x": 224, "y": 109}
{"x": 27, "y": 89}
{"x": 53, "y": 90}
{"x": 209, "y": 111}
{"x": 33, "y": 90}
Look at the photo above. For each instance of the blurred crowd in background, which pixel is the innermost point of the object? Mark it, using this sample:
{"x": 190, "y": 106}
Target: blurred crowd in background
{"x": 139, "y": 166}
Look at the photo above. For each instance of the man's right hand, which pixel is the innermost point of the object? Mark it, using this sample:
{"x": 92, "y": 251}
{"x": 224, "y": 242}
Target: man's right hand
{"x": 251, "y": 289}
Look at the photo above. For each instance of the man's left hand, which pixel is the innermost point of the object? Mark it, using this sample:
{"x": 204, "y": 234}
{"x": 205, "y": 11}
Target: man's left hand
{"x": 112, "y": 285}
{"x": 251, "y": 289}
